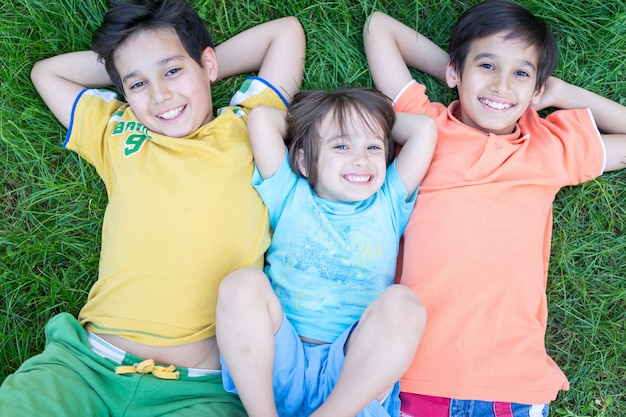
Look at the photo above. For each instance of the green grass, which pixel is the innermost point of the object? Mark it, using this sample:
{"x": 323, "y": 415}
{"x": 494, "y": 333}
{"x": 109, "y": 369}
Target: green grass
{"x": 51, "y": 202}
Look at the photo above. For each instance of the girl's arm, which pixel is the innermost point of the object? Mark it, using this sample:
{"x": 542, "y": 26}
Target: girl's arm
{"x": 267, "y": 128}
{"x": 417, "y": 133}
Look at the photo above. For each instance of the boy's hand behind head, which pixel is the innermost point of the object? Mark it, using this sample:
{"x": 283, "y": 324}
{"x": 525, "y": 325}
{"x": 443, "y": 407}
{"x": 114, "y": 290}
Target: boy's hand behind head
{"x": 158, "y": 53}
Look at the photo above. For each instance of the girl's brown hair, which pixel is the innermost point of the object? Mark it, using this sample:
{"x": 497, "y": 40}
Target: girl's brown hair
{"x": 309, "y": 108}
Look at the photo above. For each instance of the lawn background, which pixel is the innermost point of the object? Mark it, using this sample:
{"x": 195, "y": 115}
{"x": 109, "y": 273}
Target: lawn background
{"x": 52, "y": 202}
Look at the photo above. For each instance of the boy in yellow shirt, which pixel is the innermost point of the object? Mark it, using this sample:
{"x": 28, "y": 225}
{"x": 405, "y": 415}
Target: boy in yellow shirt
{"x": 182, "y": 212}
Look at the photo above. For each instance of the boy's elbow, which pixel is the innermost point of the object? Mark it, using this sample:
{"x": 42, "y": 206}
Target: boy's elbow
{"x": 292, "y": 21}
{"x": 292, "y": 27}
{"x": 372, "y": 21}
{"x": 40, "y": 76}
{"x": 36, "y": 72}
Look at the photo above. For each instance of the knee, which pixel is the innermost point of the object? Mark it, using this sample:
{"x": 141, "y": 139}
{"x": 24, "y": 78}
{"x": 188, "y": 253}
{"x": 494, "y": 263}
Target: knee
{"x": 401, "y": 305}
{"x": 240, "y": 287}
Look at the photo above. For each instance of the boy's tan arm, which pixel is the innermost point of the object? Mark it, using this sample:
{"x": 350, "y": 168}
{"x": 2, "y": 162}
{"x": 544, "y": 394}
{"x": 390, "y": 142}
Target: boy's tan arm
{"x": 274, "y": 49}
{"x": 417, "y": 133}
{"x": 59, "y": 79}
{"x": 609, "y": 115}
{"x": 392, "y": 48}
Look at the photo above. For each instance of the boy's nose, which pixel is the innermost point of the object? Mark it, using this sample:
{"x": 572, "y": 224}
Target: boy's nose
{"x": 160, "y": 92}
{"x": 501, "y": 84}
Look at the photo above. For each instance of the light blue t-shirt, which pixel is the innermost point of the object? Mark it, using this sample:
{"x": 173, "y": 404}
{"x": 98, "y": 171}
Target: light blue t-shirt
{"x": 329, "y": 260}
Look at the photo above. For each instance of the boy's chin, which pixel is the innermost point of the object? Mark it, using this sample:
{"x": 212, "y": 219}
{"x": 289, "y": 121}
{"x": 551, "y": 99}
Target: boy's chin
{"x": 175, "y": 131}
{"x": 495, "y": 129}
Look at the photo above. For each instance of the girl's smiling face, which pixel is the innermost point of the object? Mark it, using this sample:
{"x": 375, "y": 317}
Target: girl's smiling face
{"x": 352, "y": 162}
{"x": 498, "y": 83}
{"x": 165, "y": 87}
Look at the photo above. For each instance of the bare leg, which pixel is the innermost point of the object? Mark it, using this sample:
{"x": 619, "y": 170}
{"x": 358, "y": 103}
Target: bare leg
{"x": 378, "y": 352}
{"x": 248, "y": 316}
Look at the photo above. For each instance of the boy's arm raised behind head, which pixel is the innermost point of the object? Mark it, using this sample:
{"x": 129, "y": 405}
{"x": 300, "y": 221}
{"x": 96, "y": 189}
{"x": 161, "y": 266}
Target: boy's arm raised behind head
{"x": 417, "y": 133}
{"x": 274, "y": 49}
{"x": 60, "y": 79}
{"x": 609, "y": 115}
{"x": 392, "y": 48}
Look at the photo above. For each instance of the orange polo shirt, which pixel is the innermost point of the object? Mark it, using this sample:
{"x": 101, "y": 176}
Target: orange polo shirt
{"x": 477, "y": 247}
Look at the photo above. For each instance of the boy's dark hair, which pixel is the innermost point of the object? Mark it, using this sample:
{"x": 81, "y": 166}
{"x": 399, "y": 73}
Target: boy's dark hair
{"x": 503, "y": 16}
{"x": 126, "y": 18}
{"x": 309, "y": 108}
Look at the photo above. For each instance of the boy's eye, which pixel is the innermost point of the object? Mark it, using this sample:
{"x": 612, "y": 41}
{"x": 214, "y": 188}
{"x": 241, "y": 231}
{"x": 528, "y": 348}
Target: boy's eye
{"x": 486, "y": 66}
{"x": 137, "y": 85}
{"x": 522, "y": 73}
{"x": 172, "y": 71}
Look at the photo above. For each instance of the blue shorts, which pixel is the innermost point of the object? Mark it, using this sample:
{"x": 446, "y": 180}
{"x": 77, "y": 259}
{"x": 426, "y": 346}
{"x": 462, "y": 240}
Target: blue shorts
{"x": 416, "y": 405}
{"x": 305, "y": 373}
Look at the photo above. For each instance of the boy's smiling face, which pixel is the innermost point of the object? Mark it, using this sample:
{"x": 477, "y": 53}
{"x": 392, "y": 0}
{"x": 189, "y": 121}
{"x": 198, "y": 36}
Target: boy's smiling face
{"x": 498, "y": 83}
{"x": 165, "y": 87}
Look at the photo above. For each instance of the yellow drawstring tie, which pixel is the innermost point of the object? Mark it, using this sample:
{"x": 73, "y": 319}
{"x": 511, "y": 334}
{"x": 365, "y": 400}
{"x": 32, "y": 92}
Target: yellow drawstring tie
{"x": 148, "y": 367}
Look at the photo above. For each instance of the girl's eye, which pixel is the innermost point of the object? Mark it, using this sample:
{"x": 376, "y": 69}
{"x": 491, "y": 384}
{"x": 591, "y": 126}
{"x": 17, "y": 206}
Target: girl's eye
{"x": 341, "y": 147}
{"x": 172, "y": 71}
{"x": 375, "y": 148}
{"x": 487, "y": 66}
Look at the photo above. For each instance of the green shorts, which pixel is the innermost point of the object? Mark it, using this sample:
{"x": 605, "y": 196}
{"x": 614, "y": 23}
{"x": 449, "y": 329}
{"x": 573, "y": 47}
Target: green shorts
{"x": 69, "y": 379}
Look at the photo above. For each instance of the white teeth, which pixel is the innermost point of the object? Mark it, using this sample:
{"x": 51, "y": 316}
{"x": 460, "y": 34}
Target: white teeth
{"x": 172, "y": 113}
{"x": 495, "y": 105}
{"x": 355, "y": 178}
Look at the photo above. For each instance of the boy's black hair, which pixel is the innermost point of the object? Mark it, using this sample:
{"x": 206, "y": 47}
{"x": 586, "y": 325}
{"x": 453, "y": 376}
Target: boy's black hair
{"x": 309, "y": 108}
{"x": 125, "y": 18}
{"x": 504, "y": 16}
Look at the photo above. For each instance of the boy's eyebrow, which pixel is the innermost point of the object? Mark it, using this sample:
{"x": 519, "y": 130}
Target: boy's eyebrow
{"x": 160, "y": 63}
{"x": 525, "y": 62}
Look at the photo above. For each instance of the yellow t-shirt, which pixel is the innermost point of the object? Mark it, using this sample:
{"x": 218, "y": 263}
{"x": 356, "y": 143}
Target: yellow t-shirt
{"x": 182, "y": 214}
{"x": 476, "y": 250}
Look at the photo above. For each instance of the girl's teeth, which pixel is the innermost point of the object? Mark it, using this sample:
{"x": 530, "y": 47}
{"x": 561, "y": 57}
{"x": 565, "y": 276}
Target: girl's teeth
{"x": 354, "y": 178}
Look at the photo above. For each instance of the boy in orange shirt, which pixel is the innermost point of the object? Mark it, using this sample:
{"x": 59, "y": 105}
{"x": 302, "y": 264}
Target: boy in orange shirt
{"x": 477, "y": 245}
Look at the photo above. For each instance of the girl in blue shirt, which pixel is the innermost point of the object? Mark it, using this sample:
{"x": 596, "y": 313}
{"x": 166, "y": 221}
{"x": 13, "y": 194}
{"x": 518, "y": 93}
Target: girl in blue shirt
{"x": 323, "y": 330}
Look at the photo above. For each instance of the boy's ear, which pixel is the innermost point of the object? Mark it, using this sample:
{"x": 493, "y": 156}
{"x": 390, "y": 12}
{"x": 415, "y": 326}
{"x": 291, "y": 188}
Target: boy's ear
{"x": 452, "y": 77}
{"x": 209, "y": 62}
{"x": 300, "y": 156}
{"x": 536, "y": 98}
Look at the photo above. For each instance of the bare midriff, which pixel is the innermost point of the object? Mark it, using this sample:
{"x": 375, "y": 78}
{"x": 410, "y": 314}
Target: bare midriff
{"x": 203, "y": 354}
